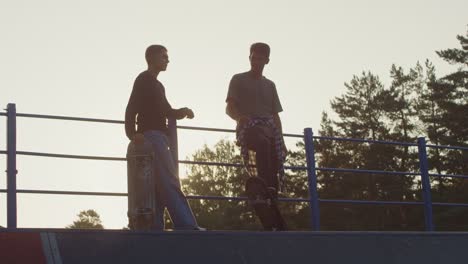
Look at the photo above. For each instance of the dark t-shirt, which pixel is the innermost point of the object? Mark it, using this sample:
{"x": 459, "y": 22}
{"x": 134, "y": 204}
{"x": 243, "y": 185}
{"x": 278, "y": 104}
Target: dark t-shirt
{"x": 254, "y": 97}
{"x": 148, "y": 106}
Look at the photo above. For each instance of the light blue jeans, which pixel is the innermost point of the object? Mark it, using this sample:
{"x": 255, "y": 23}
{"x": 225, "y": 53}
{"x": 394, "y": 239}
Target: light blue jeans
{"x": 168, "y": 191}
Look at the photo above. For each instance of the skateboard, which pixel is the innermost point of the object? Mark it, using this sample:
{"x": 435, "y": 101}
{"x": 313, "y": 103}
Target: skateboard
{"x": 140, "y": 186}
{"x": 263, "y": 200}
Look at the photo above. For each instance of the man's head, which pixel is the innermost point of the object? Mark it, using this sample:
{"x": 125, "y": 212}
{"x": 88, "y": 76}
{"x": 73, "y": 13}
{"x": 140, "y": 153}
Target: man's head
{"x": 156, "y": 57}
{"x": 259, "y": 55}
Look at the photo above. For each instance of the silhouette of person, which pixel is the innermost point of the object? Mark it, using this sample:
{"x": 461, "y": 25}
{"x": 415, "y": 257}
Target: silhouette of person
{"x": 253, "y": 102}
{"x": 149, "y": 109}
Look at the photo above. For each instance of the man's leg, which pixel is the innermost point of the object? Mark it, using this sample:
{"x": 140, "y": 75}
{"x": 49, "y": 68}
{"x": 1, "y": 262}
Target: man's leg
{"x": 259, "y": 140}
{"x": 159, "y": 209}
{"x": 262, "y": 143}
{"x": 168, "y": 185}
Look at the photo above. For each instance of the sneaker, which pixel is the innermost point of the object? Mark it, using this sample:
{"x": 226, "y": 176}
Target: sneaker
{"x": 197, "y": 228}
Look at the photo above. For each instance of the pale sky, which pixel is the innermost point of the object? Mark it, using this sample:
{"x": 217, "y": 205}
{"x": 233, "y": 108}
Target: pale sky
{"x": 80, "y": 58}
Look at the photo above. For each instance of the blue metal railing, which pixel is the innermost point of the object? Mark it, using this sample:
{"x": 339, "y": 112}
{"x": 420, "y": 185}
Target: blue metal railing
{"x": 426, "y": 183}
{"x": 312, "y": 178}
{"x": 308, "y": 137}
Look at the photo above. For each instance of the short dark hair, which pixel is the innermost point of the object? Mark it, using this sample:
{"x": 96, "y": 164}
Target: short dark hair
{"x": 261, "y": 48}
{"x": 152, "y": 50}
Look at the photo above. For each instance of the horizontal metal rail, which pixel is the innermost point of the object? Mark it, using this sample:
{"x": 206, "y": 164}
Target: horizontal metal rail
{"x": 207, "y": 129}
{"x": 98, "y": 120}
{"x": 208, "y": 197}
{"x": 449, "y": 176}
{"x": 70, "y": 192}
{"x": 67, "y": 156}
{"x": 201, "y": 197}
{"x": 367, "y": 171}
{"x": 447, "y": 147}
{"x": 228, "y": 198}
{"x": 70, "y": 118}
{"x": 208, "y": 163}
{"x": 451, "y": 204}
{"x": 211, "y": 163}
{"x": 369, "y": 202}
{"x": 229, "y": 130}
{"x": 367, "y": 141}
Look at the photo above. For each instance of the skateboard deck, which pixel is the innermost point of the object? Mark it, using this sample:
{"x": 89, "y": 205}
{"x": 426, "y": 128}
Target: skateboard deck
{"x": 140, "y": 185}
{"x": 264, "y": 202}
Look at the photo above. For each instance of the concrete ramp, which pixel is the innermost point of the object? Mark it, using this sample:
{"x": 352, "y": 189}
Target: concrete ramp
{"x": 75, "y": 246}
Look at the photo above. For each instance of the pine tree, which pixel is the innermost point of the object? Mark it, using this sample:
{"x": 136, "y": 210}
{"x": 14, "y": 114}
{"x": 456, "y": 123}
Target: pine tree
{"x": 87, "y": 219}
{"x": 450, "y": 128}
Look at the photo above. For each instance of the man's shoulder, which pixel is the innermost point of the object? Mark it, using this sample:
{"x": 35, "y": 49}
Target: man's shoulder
{"x": 268, "y": 81}
{"x": 144, "y": 75}
{"x": 146, "y": 79}
{"x": 240, "y": 76}
{"x": 246, "y": 76}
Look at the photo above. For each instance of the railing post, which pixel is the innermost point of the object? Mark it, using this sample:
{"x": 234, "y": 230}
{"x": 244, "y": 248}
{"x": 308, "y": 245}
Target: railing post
{"x": 312, "y": 179}
{"x": 172, "y": 126}
{"x": 11, "y": 166}
{"x": 426, "y": 184}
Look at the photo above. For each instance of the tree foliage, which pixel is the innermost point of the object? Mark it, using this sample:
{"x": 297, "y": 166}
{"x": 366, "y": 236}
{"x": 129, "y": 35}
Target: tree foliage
{"x": 87, "y": 219}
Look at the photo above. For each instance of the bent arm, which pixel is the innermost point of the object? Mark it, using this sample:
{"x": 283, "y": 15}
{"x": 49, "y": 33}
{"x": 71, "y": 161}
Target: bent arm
{"x": 232, "y": 111}
{"x": 177, "y": 113}
{"x": 130, "y": 114}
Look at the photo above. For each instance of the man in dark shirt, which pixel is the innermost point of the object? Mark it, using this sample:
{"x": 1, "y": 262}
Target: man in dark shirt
{"x": 149, "y": 109}
{"x": 253, "y": 102}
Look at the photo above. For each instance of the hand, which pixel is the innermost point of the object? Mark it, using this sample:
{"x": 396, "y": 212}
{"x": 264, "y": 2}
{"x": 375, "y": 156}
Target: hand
{"x": 138, "y": 138}
{"x": 188, "y": 112}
